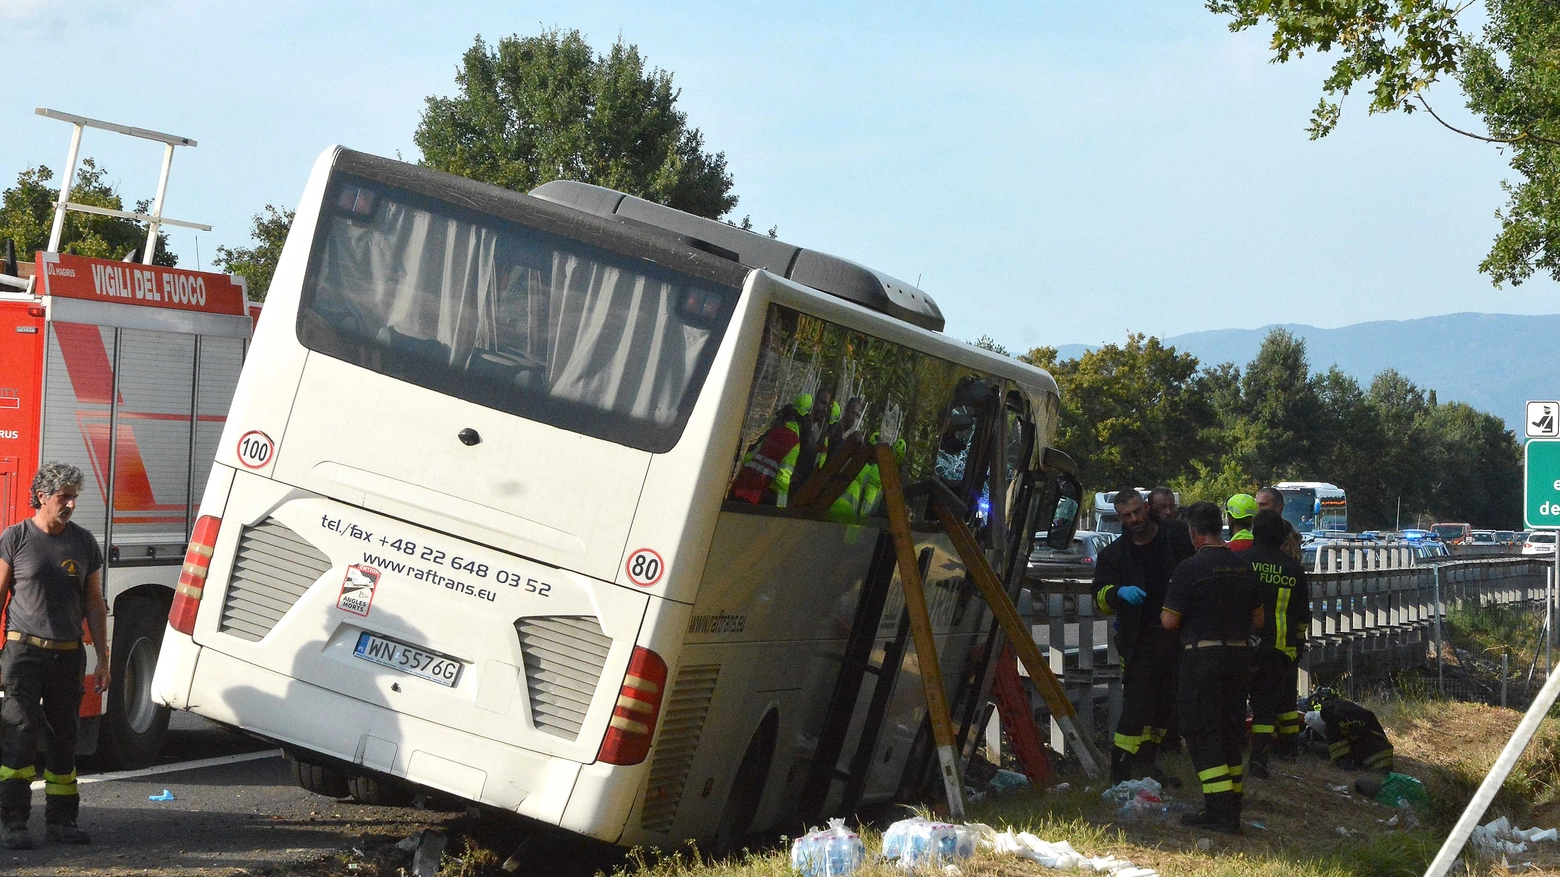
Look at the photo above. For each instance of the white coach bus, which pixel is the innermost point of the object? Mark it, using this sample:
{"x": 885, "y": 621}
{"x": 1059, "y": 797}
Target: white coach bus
{"x": 474, "y": 524}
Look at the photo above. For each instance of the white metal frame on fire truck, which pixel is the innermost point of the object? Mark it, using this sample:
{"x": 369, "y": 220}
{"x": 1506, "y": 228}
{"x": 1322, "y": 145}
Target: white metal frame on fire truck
{"x": 154, "y": 221}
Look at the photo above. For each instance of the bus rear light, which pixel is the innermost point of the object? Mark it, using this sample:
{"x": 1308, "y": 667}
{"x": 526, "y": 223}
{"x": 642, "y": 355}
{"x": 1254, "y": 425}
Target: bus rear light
{"x": 638, "y": 706}
{"x": 192, "y": 578}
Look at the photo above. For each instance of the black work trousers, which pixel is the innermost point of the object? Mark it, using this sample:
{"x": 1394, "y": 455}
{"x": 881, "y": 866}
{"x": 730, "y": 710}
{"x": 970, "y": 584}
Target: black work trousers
{"x": 1213, "y": 714}
{"x": 43, "y": 689}
{"x": 1275, "y": 682}
{"x": 1148, "y": 689}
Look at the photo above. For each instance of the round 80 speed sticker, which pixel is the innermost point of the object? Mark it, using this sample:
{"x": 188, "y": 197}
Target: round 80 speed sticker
{"x": 255, "y": 449}
{"x": 644, "y": 567}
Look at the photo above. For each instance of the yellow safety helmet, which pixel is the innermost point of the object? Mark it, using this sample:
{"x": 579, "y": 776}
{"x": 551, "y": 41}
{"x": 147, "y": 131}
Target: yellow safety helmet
{"x": 1241, "y": 506}
{"x": 803, "y": 404}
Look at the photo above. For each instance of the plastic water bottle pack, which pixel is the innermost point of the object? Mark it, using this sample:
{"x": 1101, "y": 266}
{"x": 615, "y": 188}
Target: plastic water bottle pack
{"x": 917, "y": 841}
{"x": 828, "y": 852}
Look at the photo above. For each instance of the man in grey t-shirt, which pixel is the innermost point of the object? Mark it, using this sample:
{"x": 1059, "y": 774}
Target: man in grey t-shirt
{"x": 50, "y": 580}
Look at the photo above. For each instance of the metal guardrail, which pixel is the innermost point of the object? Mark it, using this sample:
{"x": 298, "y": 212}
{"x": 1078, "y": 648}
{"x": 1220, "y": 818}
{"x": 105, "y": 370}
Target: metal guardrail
{"x": 1370, "y": 608}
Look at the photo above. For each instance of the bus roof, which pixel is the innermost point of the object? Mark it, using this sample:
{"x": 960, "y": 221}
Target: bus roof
{"x": 864, "y": 286}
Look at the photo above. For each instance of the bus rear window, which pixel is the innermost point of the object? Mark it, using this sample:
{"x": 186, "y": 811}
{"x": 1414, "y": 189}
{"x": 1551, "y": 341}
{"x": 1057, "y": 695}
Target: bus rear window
{"x": 508, "y": 316}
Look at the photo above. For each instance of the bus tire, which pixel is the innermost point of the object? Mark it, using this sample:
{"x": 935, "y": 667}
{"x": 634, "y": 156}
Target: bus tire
{"x": 320, "y": 780}
{"x": 134, "y": 725}
{"x": 379, "y": 792}
{"x": 747, "y": 789}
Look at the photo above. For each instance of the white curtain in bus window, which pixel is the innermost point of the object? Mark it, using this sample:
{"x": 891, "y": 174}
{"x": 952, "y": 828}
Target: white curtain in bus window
{"x": 513, "y": 318}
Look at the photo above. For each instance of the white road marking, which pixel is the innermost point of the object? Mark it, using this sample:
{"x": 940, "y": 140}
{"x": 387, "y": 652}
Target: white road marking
{"x": 197, "y": 764}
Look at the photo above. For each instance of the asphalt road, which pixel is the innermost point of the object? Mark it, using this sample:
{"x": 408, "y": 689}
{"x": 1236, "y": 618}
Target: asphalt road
{"x": 235, "y": 808}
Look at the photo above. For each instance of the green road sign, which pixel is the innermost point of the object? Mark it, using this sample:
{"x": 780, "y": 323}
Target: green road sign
{"x": 1541, "y": 491}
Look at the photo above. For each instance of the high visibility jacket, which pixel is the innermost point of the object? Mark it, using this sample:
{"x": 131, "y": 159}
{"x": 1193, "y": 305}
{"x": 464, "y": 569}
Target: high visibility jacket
{"x": 1240, "y": 541}
{"x": 871, "y": 481}
{"x": 847, "y": 506}
{"x": 766, "y": 470}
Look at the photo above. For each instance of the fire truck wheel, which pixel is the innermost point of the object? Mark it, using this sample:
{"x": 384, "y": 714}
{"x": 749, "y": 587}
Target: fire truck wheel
{"x": 320, "y": 780}
{"x": 380, "y": 792}
{"x": 134, "y": 725}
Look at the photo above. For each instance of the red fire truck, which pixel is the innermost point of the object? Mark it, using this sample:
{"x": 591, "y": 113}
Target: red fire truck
{"x": 125, "y": 370}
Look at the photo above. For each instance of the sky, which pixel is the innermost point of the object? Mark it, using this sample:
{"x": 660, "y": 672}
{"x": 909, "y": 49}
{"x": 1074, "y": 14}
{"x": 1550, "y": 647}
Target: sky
{"x": 1050, "y": 172}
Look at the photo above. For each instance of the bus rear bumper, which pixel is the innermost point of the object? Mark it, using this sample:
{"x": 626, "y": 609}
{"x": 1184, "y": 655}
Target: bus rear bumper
{"x": 382, "y": 740}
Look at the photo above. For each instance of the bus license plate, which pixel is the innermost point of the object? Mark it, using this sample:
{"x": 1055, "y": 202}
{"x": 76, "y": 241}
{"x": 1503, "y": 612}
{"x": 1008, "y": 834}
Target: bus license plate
{"x": 407, "y": 659}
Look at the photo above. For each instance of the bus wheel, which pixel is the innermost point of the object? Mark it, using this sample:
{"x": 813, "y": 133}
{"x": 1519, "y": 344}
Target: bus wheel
{"x": 320, "y": 780}
{"x": 747, "y": 789}
{"x": 134, "y": 725}
{"x": 379, "y": 792}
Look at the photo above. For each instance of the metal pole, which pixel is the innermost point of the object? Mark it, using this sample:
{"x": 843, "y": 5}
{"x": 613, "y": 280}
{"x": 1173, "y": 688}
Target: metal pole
{"x": 189, "y": 472}
{"x": 1442, "y": 864}
{"x": 1440, "y": 681}
{"x": 59, "y": 207}
{"x": 157, "y": 205}
{"x": 111, "y": 468}
{"x": 1505, "y": 670}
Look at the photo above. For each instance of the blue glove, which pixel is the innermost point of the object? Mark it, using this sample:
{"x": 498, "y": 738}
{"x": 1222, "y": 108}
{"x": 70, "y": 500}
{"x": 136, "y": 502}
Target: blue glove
{"x": 1132, "y": 594}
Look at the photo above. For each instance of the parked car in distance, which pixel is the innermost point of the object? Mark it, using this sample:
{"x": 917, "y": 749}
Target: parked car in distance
{"x": 1481, "y": 537}
{"x": 1520, "y": 537}
{"x": 1451, "y": 534}
{"x": 1505, "y": 537}
{"x": 1075, "y": 562}
{"x": 1430, "y": 551}
{"x": 1539, "y": 543}
{"x": 1416, "y": 535}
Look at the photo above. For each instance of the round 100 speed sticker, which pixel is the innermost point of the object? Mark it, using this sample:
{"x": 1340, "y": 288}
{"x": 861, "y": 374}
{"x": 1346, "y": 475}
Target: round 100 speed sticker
{"x": 644, "y": 567}
{"x": 255, "y": 449}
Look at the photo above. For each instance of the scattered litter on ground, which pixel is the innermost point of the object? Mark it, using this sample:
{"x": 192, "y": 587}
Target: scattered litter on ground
{"x": 1007, "y": 781}
{"x": 828, "y": 852}
{"x": 1126, "y": 790}
{"x": 1500, "y": 836}
{"x": 430, "y": 851}
{"x": 1256, "y": 824}
{"x": 1062, "y": 856}
{"x": 165, "y": 796}
{"x": 1204, "y": 844}
{"x": 1060, "y": 787}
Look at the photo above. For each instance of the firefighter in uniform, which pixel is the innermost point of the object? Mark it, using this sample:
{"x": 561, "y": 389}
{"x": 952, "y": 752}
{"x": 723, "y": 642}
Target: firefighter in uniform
{"x": 769, "y": 466}
{"x": 1355, "y": 738}
{"x": 1130, "y": 576}
{"x": 1215, "y": 603}
{"x": 1241, "y": 508}
{"x": 50, "y": 579}
{"x": 1286, "y": 611}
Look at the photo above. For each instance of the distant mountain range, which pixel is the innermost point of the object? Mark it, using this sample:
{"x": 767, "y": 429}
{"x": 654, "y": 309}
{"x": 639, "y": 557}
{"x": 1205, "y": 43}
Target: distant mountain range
{"x": 1494, "y": 362}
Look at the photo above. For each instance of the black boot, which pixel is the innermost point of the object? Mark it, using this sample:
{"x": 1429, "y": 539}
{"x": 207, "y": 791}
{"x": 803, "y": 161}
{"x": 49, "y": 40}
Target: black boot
{"x": 1221, "y": 813}
{"x": 1121, "y": 764}
{"x": 15, "y": 807}
{"x": 1148, "y": 766}
{"x": 1257, "y": 764}
{"x": 59, "y": 817}
{"x": 1286, "y": 747}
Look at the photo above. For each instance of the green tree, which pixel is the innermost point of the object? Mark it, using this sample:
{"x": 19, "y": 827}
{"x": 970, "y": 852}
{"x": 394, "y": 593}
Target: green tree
{"x": 1131, "y": 412}
{"x": 1281, "y": 404}
{"x": 258, "y": 262}
{"x": 27, "y": 214}
{"x": 534, "y": 109}
{"x": 1509, "y": 72}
